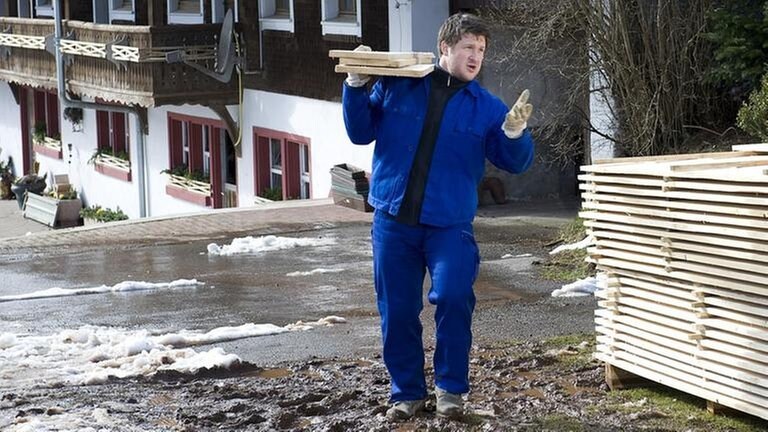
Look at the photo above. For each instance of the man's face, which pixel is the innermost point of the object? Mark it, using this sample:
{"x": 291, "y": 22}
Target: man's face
{"x": 464, "y": 59}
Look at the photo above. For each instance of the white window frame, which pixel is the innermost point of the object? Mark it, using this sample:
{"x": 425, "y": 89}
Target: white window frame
{"x": 44, "y": 8}
{"x": 175, "y": 17}
{"x": 269, "y": 21}
{"x": 276, "y": 169}
{"x": 304, "y": 172}
{"x": 185, "y": 147}
{"x": 206, "y": 151}
{"x": 116, "y": 11}
{"x": 333, "y": 24}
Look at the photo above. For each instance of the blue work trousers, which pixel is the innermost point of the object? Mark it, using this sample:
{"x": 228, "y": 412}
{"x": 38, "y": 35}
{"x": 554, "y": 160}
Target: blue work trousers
{"x": 402, "y": 254}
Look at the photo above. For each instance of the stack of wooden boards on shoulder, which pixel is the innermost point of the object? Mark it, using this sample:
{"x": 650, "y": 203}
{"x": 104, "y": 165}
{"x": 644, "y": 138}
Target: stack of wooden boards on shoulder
{"x": 681, "y": 245}
{"x": 349, "y": 187}
{"x": 383, "y": 63}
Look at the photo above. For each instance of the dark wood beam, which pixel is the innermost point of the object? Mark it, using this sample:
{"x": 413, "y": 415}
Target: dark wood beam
{"x": 233, "y": 130}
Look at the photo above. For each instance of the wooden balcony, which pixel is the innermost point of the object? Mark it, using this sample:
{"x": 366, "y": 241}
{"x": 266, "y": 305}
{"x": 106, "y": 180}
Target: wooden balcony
{"x": 119, "y": 63}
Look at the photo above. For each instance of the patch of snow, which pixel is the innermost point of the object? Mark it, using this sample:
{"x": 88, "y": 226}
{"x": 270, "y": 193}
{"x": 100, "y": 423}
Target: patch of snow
{"x": 250, "y": 245}
{"x": 583, "y": 287}
{"x": 126, "y": 286}
{"x": 313, "y": 272}
{"x": 583, "y": 244}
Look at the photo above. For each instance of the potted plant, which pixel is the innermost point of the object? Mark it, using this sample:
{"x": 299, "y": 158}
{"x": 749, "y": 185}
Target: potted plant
{"x": 6, "y": 178}
{"x": 74, "y": 115}
{"x": 32, "y": 183}
{"x": 97, "y": 214}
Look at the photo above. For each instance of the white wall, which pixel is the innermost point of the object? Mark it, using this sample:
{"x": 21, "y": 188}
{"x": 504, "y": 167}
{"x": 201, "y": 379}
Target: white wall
{"x": 320, "y": 121}
{"x": 601, "y": 117}
{"x": 97, "y": 188}
{"x": 10, "y": 131}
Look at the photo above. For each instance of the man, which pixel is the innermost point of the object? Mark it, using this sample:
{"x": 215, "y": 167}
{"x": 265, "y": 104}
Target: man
{"x": 432, "y": 137}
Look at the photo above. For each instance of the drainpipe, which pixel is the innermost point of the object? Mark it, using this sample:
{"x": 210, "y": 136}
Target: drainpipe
{"x": 66, "y": 101}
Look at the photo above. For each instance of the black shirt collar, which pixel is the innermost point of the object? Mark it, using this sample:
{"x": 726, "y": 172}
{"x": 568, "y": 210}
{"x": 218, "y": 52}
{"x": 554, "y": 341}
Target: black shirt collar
{"x": 442, "y": 78}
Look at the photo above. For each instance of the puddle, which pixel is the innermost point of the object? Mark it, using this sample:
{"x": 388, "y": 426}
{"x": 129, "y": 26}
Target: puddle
{"x": 274, "y": 373}
{"x": 490, "y": 291}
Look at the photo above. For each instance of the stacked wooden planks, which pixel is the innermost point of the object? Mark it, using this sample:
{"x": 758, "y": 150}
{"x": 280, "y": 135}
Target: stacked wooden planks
{"x": 681, "y": 245}
{"x": 383, "y": 63}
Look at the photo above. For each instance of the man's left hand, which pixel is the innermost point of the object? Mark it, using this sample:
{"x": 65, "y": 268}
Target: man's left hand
{"x": 517, "y": 118}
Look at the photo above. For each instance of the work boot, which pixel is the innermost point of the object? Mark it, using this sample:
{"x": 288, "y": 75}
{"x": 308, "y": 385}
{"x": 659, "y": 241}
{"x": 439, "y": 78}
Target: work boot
{"x": 449, "y": 405}
{"x": 403, "y": 410}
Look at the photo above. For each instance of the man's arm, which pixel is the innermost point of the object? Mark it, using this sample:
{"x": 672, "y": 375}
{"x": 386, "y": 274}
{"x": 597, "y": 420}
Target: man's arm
{"x": 360, "y": 112}
{"x": 510, "y": 145}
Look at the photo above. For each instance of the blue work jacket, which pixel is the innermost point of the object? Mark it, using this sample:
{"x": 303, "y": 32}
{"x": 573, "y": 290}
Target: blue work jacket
{"x": 393, "y": 115}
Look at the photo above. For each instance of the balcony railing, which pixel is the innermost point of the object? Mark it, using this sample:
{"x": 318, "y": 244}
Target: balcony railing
{"x": 120, "y": 63}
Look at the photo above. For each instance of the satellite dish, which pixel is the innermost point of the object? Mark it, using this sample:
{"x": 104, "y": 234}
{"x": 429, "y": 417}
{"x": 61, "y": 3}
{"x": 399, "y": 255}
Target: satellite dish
{"x": 226, "y": 57}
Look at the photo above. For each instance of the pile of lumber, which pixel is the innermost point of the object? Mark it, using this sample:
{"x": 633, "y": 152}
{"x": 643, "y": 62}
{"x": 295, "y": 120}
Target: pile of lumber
{"x": 349, "y": 187}
{"x": 681, "y": 247}
{"x": 383, "y": 63}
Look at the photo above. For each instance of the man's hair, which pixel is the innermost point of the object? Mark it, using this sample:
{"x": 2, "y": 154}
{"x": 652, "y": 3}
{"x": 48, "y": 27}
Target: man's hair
{"x": 459, "y": 24}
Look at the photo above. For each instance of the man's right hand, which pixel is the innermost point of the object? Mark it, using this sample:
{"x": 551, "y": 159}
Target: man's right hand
{"x": 355, "y": 79}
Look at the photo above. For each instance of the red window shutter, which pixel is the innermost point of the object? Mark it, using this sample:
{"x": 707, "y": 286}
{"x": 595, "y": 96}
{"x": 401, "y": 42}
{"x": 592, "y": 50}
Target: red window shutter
{"x": 40, "y": 107}
{"x": 261, "y": 164}
{"x": 118, "y": 132}
{"x": 52, "y": 108}
{"x": 216, "y": 166}
{"x": 102, "y": 129}
{"x": 291, "y": 171}
{"x": 174, "y": 142}
{"x": 195, "y": 147}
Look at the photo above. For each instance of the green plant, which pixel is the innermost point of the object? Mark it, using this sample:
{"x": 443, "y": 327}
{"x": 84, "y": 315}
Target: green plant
{"x": 108, "y": 151}
{"x": 102, "y": 214}
{"x": 40, "y": 131}
{"x": 739, "y": 32}
{"x": 182, "y": 170}
{"x": 74, "y": 115}
{"x": 274, "y": 194}
{"x": 753, "y": 116}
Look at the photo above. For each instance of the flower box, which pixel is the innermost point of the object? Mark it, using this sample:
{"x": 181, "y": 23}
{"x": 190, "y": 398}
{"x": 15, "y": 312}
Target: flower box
{"x": 113, "y": 167}
{"x": 193, "y": 191}
{"x": 48, "y": 147}
{"x": 53, "y": 212}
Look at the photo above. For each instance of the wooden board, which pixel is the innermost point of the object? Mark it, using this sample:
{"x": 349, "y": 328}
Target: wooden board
{"x": 397, "y": 63}
{"x": 422, "y": 57}
{"x": 414, "y": 71}
{"x": 758, "y": 148}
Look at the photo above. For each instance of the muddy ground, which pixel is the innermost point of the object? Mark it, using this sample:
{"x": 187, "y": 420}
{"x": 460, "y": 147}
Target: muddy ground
{"x": 523, "y": 378}
{"x": 521, "y": 386}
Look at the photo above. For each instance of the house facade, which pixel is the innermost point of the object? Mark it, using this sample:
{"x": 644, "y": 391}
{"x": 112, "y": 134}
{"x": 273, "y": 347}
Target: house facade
{"x": 146, "y": 117}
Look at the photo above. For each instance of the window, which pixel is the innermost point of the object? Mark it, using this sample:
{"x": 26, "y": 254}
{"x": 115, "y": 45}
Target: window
{"x": 46, "y": 115}
{"x": 281, "y": 165}
{"x": 112, "y": 133}
{"x": 276, "y": 15}
{"x": 112, "y": 141}
{"x": 192, "y": 144}
{"x": 121, "y": 11}
{"x": 46, "y": 138}
{"x": 347, "y": 7}
{"x": 185, "y": 12}
{"x": 43, "y": 8}
{"x": 341, "y": 17}
{"x": 195, "y": 164}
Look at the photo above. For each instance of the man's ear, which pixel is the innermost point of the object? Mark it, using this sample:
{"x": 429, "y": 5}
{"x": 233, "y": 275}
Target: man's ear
{"x": 443, "y": 48}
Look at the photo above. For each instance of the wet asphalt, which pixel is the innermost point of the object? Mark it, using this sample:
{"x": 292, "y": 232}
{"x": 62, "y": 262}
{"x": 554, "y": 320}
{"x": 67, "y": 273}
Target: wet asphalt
{"x": 513, "y": 301}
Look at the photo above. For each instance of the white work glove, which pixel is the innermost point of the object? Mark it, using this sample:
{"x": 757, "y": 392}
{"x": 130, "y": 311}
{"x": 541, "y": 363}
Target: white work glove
{"x": 517, "y": 117}
{"x": 356, "y": 79}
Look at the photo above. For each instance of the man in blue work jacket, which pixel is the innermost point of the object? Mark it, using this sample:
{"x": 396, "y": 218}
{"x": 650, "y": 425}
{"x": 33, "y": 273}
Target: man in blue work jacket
{"x": 432, "y": 136}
